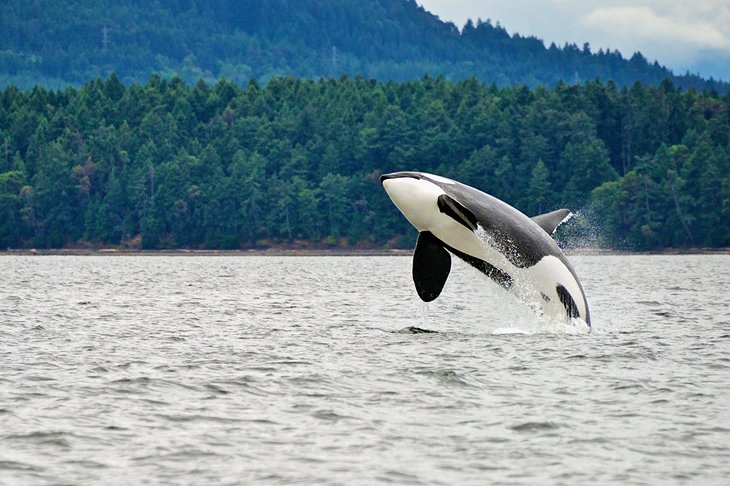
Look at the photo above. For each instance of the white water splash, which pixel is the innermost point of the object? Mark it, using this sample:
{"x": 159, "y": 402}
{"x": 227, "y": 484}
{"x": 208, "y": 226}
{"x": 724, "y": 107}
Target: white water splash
{"x": 522, "y": 300}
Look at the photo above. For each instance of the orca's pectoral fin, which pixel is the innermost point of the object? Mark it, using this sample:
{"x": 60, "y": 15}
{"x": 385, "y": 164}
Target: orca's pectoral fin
{"x": 550, "y": 221}
{"x": 431, "y": 266}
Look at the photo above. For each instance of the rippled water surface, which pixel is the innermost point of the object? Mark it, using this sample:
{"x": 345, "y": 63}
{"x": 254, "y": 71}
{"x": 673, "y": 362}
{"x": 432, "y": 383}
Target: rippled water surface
{"x": 232, "y": 370}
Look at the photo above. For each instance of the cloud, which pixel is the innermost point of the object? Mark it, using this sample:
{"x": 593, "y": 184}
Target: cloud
{"x": 642, "y": 24}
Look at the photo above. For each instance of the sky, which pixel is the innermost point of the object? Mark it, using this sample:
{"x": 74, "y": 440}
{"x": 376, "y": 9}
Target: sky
{"x": 681, "y": 34}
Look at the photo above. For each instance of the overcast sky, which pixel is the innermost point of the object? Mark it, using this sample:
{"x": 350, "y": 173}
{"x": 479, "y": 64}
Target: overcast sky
{"x": 683, "y": 35}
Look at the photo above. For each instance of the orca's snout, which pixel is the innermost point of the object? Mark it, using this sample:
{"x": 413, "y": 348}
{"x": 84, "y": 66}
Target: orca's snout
{"x": 397, "y": 175}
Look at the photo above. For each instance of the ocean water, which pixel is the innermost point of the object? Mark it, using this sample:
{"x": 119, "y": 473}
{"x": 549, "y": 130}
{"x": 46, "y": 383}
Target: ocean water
{"x": 280, "y": 370}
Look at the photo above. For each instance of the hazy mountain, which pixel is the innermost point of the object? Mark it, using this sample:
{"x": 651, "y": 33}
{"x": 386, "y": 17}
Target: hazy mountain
{"x": 56, "y": 43}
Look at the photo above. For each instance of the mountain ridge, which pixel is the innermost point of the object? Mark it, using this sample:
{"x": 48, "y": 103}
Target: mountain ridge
{"x": 68, "y": 43}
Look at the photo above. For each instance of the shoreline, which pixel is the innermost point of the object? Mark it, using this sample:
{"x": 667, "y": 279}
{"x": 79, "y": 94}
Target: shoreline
{"x": 345, "y": 252}
{"x": 189, "y": 252}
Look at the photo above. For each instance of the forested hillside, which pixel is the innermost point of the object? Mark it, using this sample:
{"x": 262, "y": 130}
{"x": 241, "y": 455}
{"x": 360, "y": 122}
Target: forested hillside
{"x": 57, "y": 43}
{"x": 166, "y": 164}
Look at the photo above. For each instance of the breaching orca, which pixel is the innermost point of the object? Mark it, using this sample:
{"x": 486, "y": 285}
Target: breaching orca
{"x": 512, "y": 249}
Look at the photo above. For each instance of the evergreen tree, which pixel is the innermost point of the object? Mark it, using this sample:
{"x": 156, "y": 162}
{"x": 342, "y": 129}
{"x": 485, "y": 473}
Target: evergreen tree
{"x": 166, "y": 164}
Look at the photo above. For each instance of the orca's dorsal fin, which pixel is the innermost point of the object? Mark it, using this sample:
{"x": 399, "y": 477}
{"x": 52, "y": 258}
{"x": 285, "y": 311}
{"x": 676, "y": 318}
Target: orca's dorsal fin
{"x": 550, "y": 221}
{"x": 431, "y": 266}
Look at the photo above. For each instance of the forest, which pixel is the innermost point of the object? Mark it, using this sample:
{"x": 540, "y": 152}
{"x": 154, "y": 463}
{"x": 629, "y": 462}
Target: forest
{"x": 59, "y": 43}
{"x": 167, "y": 164}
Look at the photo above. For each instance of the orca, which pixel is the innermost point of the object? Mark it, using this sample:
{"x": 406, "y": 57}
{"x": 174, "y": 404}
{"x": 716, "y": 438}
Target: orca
{"x": 515, "y": 251}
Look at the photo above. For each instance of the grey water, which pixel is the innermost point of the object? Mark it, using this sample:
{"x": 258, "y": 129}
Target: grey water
{"x": 280, "y": 370}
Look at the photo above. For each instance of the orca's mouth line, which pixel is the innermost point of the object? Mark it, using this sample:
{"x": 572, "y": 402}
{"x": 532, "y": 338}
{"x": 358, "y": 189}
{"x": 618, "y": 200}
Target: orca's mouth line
{"x": 399, "y": 175}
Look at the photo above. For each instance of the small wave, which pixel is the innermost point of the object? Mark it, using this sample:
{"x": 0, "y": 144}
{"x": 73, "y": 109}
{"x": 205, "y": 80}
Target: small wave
{"x": 198, "y": 418}
{"x": 128, "y": 364}
{"x": 590, "y": 440}
{"x": 415, "y": 330}
{"x": 446, "y": 377}
{"x": 140, "y": 380}
{"x": 88, "y": 464}
{"x": 393, "y": 476}
{"x": 535, "y": 426}
{"x": 291, "y": 362}
{"x": 247, "y": 383}
{"x": 217, "y": 390}
{"x": 42, "y": 438}
{"x": 329, "y": 415}
{"x": 16, "y": 466}
{"x": 261, "y": 421}
{"x": 184, "y": 456}
{"x": 629, "y": 386}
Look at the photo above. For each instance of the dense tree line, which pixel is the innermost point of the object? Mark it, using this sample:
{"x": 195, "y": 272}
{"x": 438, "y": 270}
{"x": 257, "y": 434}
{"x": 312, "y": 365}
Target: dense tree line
{"x": 56, "y": 43}
{"x": 166, "y": 164}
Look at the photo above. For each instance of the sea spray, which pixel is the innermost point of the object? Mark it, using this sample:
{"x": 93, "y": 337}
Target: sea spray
{"x": 522, "y": 300}
{"x": 587, "y": 231}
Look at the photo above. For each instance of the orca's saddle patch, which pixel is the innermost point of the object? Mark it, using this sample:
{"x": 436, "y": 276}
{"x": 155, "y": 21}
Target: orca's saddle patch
{"x": 431, "y": 266}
